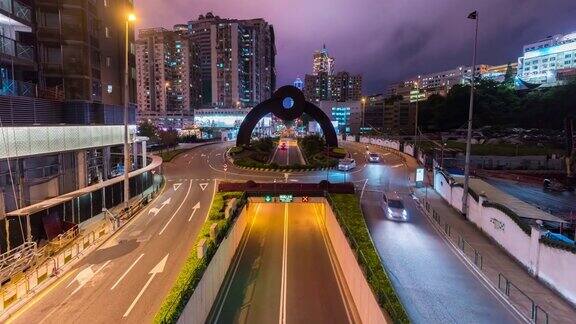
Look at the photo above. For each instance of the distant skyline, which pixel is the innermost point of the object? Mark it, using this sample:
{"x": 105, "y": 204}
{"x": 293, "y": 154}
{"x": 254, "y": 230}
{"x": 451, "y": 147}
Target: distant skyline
{"x": 385, "y": 41}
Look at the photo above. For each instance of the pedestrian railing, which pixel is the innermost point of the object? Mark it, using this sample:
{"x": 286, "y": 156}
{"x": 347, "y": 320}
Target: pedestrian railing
{"x": 518, "y": 297}
{"x": 522, "y": 300}
{"x": 50, "y": 261}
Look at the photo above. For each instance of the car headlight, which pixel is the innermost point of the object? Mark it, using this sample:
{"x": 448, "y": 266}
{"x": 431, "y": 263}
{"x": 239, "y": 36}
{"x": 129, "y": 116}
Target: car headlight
{"x": 404, "y": 213}
{"x": 389, "y": 211}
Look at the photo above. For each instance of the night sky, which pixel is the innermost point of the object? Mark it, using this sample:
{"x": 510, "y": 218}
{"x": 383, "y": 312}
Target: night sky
{"x": 384, "y": 40}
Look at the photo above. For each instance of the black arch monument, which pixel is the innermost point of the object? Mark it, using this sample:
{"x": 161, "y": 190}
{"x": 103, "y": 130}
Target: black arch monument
{"x": 287, "y": 103}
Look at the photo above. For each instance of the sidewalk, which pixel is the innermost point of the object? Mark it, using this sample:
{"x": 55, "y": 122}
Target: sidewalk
{"x": 503, "y": 272}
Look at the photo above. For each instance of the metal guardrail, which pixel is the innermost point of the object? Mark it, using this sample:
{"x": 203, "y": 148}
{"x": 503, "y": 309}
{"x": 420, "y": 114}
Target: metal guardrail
{"x": 537, "y": 314}
{"x": 48, "y": 262}
{"x": 514, "y": 294}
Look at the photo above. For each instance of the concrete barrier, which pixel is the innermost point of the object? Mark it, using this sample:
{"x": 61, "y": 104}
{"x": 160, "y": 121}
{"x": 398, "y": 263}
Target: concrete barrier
{"x": 366, "y": 303}
{"x": 550, "y": 264}
{"x": 198, "y": 307}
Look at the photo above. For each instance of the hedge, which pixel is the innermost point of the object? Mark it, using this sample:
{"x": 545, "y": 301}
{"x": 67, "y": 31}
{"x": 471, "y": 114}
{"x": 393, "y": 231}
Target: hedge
{"x": 168, "y": 156}
{"x": 193, "y": 268}
{"x": 349, "y": 214}
{"x": 558, "y": 244}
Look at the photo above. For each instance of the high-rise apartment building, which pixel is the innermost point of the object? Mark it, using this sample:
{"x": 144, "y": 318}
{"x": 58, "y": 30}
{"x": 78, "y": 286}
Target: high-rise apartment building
{"x": 62, "y": 100}
{"x": 168, "y": 76}
{"x": 236, "y": 59}
{"x": 80, "y": 48}
{"x": 322, "y": 62}
{"x": 317, "y": 87}
{"x": 420, "y": 87}
{"x": 546, "y": 62}
{"x": 346, "y": 87}
{"x": 324, "y": 84}
{"x": 342, "y": 86}
{"x": 298, "y": 83}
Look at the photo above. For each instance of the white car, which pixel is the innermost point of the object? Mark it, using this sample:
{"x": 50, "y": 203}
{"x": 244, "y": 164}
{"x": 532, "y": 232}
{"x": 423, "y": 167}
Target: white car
{"x": 346, "y": 164}
{"x": 373, "y": 157}
{"x": 394, "y": 209}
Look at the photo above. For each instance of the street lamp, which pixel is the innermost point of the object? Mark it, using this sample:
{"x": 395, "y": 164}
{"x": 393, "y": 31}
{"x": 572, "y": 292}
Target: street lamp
{"x": 129, "y": 19}
{"x": 416, "y": 116}
{"x": 474, "y": 16}
{"x": 363, "y": 112}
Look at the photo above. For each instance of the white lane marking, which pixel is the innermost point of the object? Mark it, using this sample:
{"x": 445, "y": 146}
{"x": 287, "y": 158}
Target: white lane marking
{"x": 363, "y": 187}
{"x": 194, "y": 210}
{"x": 203, "y": 186}
{"x": 155, "y": 210}
{"x": 156, "y": 270}
{"x": 282, "y": 317}
{"x": 397, "y": 165}
{"x": 178, "y": 209}
{"x": 89, "y": 275}
{"x": 127, "y": 270}
{"x": 55, "y": 309}
{"x": 176, "y": 185}
{"x": 186, "y": 155}
{"x": 242, "y": 249}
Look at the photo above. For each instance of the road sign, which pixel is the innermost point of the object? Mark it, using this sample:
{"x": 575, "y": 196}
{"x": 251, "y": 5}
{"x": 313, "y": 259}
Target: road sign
{"x": 286, "y": 198}
{"x": 419, "y": 177}
{"x": 305, "y": 198}
{"x": 268, "y": 198}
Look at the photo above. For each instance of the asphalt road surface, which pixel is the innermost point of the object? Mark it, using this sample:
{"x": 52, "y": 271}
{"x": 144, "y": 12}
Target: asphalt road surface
{"x": 114, "y": 283}
{"x": 283, "y": 271}
{"x": 127, "y": 279}
{"x": 433, "y": 283}
{"x": 557, "y": 203}
{"x": 288, "y": 156}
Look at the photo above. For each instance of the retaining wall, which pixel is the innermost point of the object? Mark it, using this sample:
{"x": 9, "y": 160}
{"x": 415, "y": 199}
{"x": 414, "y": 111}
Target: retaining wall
{"x": 366, "y": 304}
{"x": 198, "y": 307}
{"x": 552, "y": 265}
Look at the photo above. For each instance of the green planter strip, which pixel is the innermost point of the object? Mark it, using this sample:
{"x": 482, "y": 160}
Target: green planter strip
{"x": 193, "y": 269}
{"x": 347, "y": 209}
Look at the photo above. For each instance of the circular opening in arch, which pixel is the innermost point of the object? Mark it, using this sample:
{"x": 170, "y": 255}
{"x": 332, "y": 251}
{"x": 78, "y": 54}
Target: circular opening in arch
{"x": 288, "y": 103}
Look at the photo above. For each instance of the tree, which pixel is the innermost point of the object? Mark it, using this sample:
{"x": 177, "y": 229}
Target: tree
{"x": 149, "y": 130}
{"x": 509, "y": 76}
{"x": 169, "y": 137}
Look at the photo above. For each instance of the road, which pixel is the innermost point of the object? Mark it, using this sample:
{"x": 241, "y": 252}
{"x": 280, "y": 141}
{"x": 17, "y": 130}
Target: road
{"x": 291, "y": 155}
{"x": 557, "y": 203}
{"x": 284, "y": 271}
{"x": 127, "y": 278}
{"x": 433, "y": 283}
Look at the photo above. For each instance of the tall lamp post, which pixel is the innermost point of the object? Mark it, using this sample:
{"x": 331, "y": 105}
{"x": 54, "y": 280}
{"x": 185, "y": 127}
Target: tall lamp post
{"x": 129, "y": 19}
{"x": 416, "y": 115}
{"x": 474, "y": 16}
{"x": 363, "y": 112}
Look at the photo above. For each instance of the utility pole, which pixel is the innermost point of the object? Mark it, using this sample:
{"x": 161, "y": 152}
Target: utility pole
{"x": 473, "y": 15}
{"x": 129, "y": 18}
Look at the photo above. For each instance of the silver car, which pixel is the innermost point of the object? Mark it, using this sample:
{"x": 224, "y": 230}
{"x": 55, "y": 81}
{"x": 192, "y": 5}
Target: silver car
{"x": 346, "y": 164}
{"x": 373, "y": 157}
{"x": 394, "y": 209}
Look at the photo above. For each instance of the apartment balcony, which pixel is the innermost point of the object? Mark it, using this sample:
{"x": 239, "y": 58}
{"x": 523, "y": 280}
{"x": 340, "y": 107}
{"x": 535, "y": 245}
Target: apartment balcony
{"x": 16, "y": 52}
{"x": 9, "y": 87}
{"x": 16, "y": 10}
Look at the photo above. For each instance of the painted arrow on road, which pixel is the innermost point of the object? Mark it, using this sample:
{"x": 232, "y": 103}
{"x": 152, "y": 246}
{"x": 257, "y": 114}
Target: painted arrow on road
{"x": 155, "y": 210}
{"x": 194, "y": 209}
{"x": 156, "y": 270}
{"x": 84, "y": 276}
